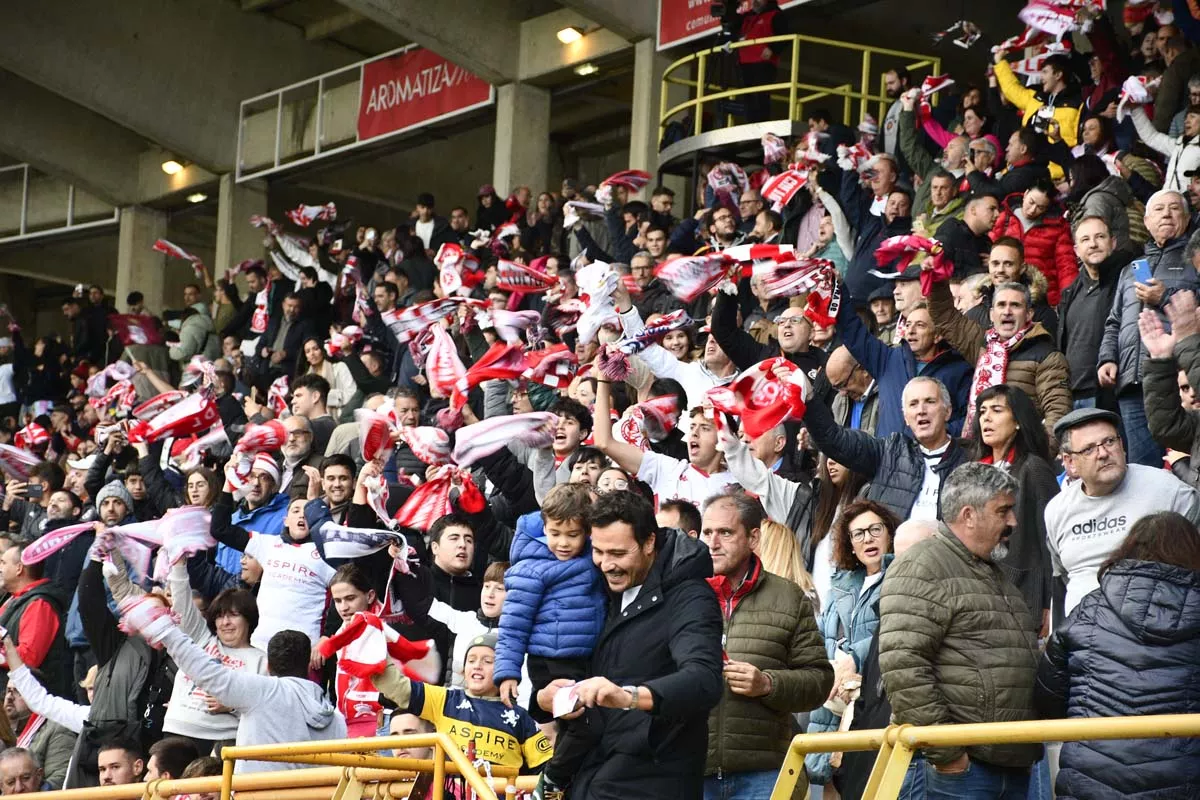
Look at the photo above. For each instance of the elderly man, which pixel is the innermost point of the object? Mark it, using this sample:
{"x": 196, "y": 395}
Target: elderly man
{"x": 1014, "y": 350}
{"x": 905, "y": 473}
{"x": 956, "y": 642}
{"x": 1085, "y": 305}
{"x": 262, "y": 511}
{"x": 33, "y": 614}
{"x": 298, "y": 453}
{"x": 20, "y": 772}
{"x": 281, "y": 347}
{"x": 1121, "y": 349}
{"x": 856, "y": 405}
{"x": 49, "y": 743}
{"x": 921, "y": 351}
{"x": 655, "y": 297}
{"x": 1090, "y": 518}
{"x": 952, "y": 162}
{"x": 775, "y": 663}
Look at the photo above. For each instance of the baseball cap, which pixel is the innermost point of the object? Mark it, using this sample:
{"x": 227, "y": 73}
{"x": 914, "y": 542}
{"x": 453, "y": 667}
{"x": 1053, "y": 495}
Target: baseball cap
{"x": 486, "y": 189}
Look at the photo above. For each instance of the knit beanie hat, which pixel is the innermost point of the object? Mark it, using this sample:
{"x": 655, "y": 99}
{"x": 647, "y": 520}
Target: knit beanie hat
{"x": 488, "y": 639}
{"x": 115, "y": 489}
{"x": 541, "y": 397}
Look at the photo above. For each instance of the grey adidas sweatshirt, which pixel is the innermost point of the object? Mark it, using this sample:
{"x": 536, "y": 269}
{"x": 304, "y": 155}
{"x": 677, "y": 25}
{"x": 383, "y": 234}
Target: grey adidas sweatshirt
{"x": 272, "y": 710}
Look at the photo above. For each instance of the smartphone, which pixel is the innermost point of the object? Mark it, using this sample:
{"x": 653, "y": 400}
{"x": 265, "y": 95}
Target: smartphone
{"x": 1141, "y": 271}
{"x": 33, "y": 491}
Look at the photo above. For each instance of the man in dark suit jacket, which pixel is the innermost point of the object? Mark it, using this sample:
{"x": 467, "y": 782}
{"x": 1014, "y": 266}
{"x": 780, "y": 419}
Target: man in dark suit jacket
{"x": 279, "y": 349}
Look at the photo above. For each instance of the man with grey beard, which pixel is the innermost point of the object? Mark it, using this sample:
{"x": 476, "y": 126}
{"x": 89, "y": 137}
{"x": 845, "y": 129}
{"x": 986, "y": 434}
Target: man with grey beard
{"x": 956, "y": 642}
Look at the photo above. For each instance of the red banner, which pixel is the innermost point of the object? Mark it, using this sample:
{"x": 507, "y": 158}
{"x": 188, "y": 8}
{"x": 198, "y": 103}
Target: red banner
{"x": 682, "y": 21}
{"x": 415, "y": 88}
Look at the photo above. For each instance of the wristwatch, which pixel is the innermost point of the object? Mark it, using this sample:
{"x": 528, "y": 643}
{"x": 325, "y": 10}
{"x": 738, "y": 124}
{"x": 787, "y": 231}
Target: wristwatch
{"x": 633, "y": 697}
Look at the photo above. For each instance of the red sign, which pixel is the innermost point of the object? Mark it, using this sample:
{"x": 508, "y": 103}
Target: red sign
{"x": 682, "y": 21}
{"x": 415, "y": 88}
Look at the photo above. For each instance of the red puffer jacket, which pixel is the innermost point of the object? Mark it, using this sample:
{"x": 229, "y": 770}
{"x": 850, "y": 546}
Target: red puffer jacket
{"x": 1048, "y": 245}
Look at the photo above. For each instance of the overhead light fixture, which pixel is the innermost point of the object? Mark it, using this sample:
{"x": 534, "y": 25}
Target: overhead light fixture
{"x": 570, "y": 34}
{"x": 587, "y": 69}
{"x": 198, "y": 197}
{"x": 172, "y": 167}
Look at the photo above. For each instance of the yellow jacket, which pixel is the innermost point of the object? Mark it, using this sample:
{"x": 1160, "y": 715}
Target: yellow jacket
{"x": 1029, "y": 101}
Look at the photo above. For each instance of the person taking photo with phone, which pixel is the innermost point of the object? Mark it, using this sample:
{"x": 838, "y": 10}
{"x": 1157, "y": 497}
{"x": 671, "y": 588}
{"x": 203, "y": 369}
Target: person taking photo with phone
{"x": 25, "y": 502}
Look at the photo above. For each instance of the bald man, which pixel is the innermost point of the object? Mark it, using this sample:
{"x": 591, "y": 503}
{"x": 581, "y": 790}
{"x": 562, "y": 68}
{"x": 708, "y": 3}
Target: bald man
{"x": 856, "y": 404}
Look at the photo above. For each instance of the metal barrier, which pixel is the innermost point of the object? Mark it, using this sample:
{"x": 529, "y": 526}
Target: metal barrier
{"x": 897, "y": 744}
{"x": 350, "y": 770}
{"x": 705, "y": 91}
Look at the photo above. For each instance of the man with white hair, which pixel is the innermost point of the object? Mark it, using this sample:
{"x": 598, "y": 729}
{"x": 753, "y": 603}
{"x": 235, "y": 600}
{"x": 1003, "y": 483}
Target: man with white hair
{"x": 1121, "y": 349}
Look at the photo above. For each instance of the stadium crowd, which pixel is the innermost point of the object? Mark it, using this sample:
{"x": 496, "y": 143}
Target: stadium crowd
{"x": 897, "y": 427}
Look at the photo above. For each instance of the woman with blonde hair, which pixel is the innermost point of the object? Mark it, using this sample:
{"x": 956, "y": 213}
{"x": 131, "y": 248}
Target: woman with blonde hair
{"x": 780, "y": 555}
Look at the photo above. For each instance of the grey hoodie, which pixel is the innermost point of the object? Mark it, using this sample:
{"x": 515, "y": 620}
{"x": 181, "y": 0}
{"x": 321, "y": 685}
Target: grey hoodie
{"x": 272, "y": 709}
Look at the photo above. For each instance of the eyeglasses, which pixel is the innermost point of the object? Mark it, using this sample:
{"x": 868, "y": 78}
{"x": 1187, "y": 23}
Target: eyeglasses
{"x": 1110, "y": 444}
{"x": 788, "y": 322}
{"x": 875, "y": 531}
{"x": 841, "y": 385}
{"x": 299, "y": 434}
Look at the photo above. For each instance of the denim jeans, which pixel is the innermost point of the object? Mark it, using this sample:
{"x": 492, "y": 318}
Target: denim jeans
{"x": 979, "y": 782}
{"x": 913, "y": 787}
{"x": 1039, "y": 781}
{"x": 1139, "y": 444}
{"x": 1083, "y": 402}
{"x": 741, "y": 785}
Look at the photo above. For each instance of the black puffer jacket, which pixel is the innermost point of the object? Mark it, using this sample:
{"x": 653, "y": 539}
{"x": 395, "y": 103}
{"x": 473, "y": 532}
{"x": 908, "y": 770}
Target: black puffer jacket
{"x": 895, "y": 466}
{"x": 1130, "y": 648}
{"x": 669, "y": 640}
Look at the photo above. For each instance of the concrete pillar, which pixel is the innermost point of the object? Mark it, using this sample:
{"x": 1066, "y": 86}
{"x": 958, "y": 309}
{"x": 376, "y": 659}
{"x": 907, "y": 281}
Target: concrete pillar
{"x": 236, "y": 239}
{"x": 138, "y": 266}
{"x": 522, "y": 138}
{"x": 648, "y": 68}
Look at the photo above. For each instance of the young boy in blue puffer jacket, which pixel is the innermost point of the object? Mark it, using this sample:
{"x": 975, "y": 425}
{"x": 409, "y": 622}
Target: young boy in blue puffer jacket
{"x": 553, "y": 612}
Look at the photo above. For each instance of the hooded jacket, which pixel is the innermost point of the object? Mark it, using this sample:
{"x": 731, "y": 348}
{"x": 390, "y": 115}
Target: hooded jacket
{"x": 196, "y": 337}
{"x": 1065, "y": 104}
{"x": 552, "y": 609}
{"x": 668, "y": 640}
{"x": 271, "y": 709}
{"x": 1129, "y": 648}
{"x": 1047, "y": 241}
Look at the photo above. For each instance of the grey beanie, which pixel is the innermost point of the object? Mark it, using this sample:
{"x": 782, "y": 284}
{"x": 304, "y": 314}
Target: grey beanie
{"x": 115, "y": 489}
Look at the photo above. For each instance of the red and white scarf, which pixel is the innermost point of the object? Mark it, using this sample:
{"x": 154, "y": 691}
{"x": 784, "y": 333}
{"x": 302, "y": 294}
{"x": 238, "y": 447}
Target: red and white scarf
{"x": 262, "y": 314}
{"x": 304, "y": 216}
{"x": 760, "y": 399}
{"x": 175, "y": 251}
{"x": 992, "y": 367}
{"x": 32, "y": 726}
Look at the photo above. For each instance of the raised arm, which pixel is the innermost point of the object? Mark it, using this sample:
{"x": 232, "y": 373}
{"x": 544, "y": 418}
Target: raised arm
{"x": 740, "y": 346}
{"x": 222, "y": 527}
{"x": 960, "y": 332}
{"x": 56, "y": 709}
{"x": 857, "y": 450}
{"x": 628, "y": 457}
{"x": 1153, "y": 138}
{"x": 99, "y": 625}
{"x": 841, "y": 226}
{"x": 777, "y": 494}
{"x": 161, "y": 494}
{"x": 238, "y": 689}
{"x": 191, "y": 621}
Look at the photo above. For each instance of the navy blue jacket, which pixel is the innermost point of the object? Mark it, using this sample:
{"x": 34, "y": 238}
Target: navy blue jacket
{"x": 553, "y": 609}
{"x": 1130, "y": 648}
{"x": 893, "y": 367}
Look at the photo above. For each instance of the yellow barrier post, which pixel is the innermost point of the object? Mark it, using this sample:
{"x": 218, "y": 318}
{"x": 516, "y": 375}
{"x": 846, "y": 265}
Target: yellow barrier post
{"x": 864, "y": 105}
{"x": 439, "y": 771}
{"x": 793, "y": 80}
{"x": 699, "y": 103}
{"x": 226, "y": 776}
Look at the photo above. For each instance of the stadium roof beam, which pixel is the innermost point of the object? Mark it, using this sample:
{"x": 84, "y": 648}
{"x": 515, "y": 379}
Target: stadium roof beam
{"x": 480, "y": 37}
{"x": 154, "y": 69}
{"x": 629, "y": 19}
{"x": 69, "y": 141}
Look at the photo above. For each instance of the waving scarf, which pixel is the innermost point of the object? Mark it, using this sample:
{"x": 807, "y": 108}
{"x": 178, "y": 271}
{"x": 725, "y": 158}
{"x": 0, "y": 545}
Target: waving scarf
{"x": 535, "y": 429}
{"x": 688, "y": 277}
{"x": 780, "y": 189}
{"x": 654, "y": 332}
{"x": 31, "y": 436}
{"x": 761, "y": 399}
{"x": 407, "y": 323}
{"x": 196, "y": 413}
{"x": 443, "y": 367}
{"x": 553, "y": 366}
{"x": 431, "y": 500}
{"x": 429, "y": 444}
{"x": 304, "y": 216}
{"x": 158, "y": 404}
{"x": 17, "y": 462}
{"x": 992, "y": 367}
{"x": 648, "y": 422}
{"x": 118, "y": 371}
{"x": 375, "y": 433}
{"x": 175, "y": 251}
{"x": 904, "y": 249}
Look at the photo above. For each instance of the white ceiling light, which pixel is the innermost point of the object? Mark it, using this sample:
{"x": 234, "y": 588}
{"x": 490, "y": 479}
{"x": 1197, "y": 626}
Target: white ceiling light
{"x": 570, "y": 34}
{"x": 172, "y": 167}
{"x": 587, "y": 69}
{"x": 198, "y": 197}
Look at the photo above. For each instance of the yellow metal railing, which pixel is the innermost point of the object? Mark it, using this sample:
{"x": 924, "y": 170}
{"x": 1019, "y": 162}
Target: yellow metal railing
{"x": 350, "y": 771}
{"x": 898, "y": 743}
{"x": 702, "y": 90}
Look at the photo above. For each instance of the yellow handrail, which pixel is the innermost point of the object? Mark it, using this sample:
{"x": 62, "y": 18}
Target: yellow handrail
{"x": 703, "y": 91}
{"x": 353, "y": 753}
{"x": 898, "y": 743}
